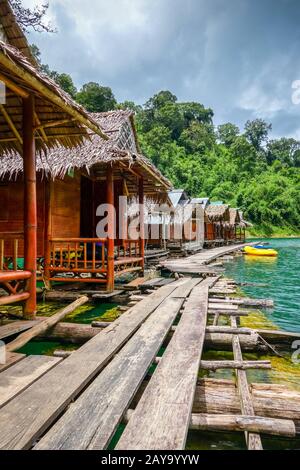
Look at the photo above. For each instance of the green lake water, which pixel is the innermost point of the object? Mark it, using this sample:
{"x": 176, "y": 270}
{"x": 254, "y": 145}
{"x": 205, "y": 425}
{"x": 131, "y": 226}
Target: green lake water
{"x": 280, "y": 275}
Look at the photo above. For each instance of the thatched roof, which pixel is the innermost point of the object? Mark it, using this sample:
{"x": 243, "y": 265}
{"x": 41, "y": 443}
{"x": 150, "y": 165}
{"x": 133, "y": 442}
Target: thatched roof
{"x": 120, "y": 151}
{"x": 244, "y": 223}
{"x": 59, "y": 120}
{"x": 234, "y": 216}
{"x": 11, "y": 33}
{"x": 217, "y": 213}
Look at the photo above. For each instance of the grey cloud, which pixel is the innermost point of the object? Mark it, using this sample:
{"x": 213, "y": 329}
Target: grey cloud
{"x": 239, "y": 57}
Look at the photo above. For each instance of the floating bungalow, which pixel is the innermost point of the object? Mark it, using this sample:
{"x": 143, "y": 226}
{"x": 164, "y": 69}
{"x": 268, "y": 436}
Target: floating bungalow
{"x": 217, "y": 216}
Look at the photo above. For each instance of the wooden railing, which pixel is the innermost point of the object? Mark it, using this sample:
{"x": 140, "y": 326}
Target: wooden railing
{"x": 129, "y": 248}
{"x": 82, "y": 258}
{"x": 10, "y": 250}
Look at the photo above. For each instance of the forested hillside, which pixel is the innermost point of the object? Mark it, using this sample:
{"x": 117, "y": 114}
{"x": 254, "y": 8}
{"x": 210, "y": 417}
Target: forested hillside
{"x": 244, "y": 168}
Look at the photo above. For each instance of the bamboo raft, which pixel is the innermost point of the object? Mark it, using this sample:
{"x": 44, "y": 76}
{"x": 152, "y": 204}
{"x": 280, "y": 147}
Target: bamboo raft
{"x": 107, "y": 379}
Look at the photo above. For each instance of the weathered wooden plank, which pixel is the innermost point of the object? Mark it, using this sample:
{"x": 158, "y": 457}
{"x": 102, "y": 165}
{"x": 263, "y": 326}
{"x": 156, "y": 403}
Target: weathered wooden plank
{"x": 43, "y": 326}
{"x": 15, "y": 327}
{"x": 162, "y": 417}
{"x": 18, "y": 377}
{"x": 183, "y": 291}
{"x": 11, "y": 359}
{"x": 24, "y": 419}
{"x": 90, "y": 423}
{"x": 253, "y": 439}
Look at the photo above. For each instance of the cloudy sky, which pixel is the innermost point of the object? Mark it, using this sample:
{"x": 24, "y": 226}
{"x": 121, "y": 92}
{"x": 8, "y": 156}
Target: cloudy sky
{"x": 239, "y": 57}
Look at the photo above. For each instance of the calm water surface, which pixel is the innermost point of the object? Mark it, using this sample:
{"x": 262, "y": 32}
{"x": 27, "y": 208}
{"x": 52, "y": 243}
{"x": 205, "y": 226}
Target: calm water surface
{"x": 281, "y": 277}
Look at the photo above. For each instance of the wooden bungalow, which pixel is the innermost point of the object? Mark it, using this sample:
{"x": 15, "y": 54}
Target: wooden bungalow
{"x": 35, "y": 117}
{"x": 241, "y": 228}
{"x": 72, "y": 185}
{"x": 185, "y": 225}
{"x": 231, "y": 228}
{"x": 217, "y": 215}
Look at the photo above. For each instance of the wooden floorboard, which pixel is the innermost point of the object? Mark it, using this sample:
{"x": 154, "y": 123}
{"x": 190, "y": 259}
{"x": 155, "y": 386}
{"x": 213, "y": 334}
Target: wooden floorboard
{"x": 26, "y": 417}
{"x": 161, "y": 419}
{"x": 19, "y": 376}
{"x": 15, "y": 327}
{"x": 90, "y": 422}
{"x": 11, "y": 359}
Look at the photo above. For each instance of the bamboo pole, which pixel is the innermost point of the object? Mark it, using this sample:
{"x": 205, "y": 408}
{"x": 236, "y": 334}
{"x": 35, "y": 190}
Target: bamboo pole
{"x": 111, "y": 230}
{"x": 237, "y": 423}
{"x": 30, "y": 205}
{"x": 43, "y": 326}
{"x": 142, "y": 222}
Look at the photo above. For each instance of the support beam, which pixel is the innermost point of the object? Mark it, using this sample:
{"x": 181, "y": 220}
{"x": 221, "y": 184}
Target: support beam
{"x": 11, "y": 124}
{"x": 30, "y": 204}
{"x": 111, "y": 230}
{"x": 237, "y": 423}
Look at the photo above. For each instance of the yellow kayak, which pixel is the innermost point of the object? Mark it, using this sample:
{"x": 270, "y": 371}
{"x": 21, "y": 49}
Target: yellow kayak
{"x": 251, "y": 250}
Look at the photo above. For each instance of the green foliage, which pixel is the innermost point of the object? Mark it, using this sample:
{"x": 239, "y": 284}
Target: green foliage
{"x": 227, "y": 133}
{"x": 257, "y": 132}
{"x": 96, "y": 98}
{"x": 245, "y": 170}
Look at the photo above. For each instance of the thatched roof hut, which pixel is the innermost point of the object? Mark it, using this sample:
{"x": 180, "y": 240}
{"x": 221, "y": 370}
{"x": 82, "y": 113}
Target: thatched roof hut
{"x": 234, "y": 217}
{"x": 11, "y": 33}
{"x": 59, "y": 120}
{"x": 218, "y": 213}
{"x": 120, "y": 150}
{"x": 244, "y": 223}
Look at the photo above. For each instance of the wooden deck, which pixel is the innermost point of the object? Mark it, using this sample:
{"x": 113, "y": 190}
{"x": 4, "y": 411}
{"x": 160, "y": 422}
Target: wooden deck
{"x": 197, "y": 264}
{"x": 110, "y": 379}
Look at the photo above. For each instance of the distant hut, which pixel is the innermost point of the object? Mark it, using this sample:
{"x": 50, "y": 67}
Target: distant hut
{"x": 185, "y": 232}
{"x": 216, "y": 217}
{"x": 232, "y": 227}
{"x": 241, "y": 228}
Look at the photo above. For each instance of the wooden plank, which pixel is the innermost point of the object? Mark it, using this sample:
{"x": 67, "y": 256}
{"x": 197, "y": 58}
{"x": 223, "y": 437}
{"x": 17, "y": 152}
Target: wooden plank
{"x": 90, "y": 423}
{"x": 161, "y": 419}
{"x": 11, "y": 359}
{"x": 18, "y": 377}
{"x": 15, "y": 327}
{"x": 253, "y": 439}
{"x": 183, "y": 291}
{"x": 42, "y": 402}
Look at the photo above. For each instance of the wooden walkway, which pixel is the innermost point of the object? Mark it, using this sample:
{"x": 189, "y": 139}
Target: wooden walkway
{"x": 79, "y": 402}
{"x": 196, "y": 264}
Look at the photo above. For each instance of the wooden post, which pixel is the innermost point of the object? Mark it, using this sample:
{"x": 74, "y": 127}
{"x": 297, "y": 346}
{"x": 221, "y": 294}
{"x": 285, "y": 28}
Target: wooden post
{"x": 30, "y": 204}
{"x": 142, "y": 221}
{"x": 48, "y": 233}
{"x": 111, "y": 231}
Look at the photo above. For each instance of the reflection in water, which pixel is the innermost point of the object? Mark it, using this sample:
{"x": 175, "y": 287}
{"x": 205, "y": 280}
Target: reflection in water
{"x": 261, "y": 259}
